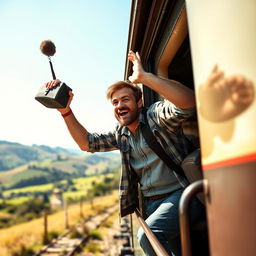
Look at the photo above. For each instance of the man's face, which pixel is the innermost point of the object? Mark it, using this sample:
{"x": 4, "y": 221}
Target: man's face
{"x": 126, "y": 109}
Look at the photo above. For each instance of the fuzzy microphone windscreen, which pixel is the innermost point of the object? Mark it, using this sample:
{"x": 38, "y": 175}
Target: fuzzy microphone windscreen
{"x": 48, "y": 48}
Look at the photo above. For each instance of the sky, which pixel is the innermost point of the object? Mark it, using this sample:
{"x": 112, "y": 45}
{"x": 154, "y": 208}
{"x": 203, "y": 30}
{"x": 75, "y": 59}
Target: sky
{"x": 91, "y": 45}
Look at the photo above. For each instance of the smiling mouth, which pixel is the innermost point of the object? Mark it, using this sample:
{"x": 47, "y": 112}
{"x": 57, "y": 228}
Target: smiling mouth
{"x": 123, "y": 113}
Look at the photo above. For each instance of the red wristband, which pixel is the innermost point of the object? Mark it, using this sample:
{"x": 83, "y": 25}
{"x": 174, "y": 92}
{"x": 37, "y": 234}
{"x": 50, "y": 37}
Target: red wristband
{"x": 67, "y": 114}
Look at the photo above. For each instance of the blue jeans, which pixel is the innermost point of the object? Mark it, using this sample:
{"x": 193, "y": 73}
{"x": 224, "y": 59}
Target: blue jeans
{"x": 163, "y": 220}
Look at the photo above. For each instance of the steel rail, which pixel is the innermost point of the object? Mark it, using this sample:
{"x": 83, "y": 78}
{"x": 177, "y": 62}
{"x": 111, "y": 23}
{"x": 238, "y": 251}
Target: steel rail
{"x": 157, "y": 246}
{"x": 185, "y": 200}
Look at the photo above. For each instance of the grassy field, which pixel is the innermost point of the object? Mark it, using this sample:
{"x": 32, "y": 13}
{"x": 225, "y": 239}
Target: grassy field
{"x": 37, "y": 188}
{"x": 29, "y": 235}
{"x": 54, "y": 168}
{"x": 6, "y": 175}
{"x": 17, "y": 201}
{"x": 82, "y": 184}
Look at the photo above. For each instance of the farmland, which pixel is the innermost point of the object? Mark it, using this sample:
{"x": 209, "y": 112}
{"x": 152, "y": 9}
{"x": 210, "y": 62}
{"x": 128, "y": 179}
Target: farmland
{"x": 29, "y": 179}
{"x": 28, "y": 237}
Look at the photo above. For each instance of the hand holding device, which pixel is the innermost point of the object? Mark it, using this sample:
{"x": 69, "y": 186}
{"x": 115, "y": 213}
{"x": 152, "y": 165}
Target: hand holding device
{"x": 58, "y": 96}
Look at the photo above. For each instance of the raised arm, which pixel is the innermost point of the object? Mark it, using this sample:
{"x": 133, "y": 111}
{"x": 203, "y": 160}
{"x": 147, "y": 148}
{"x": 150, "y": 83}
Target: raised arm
{"x": 175, "y": 92}
{"x": 77, "y": 131}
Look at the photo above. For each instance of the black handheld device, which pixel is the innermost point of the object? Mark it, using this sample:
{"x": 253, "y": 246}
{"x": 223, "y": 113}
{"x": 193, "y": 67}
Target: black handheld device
{"x": 58, "y": 96}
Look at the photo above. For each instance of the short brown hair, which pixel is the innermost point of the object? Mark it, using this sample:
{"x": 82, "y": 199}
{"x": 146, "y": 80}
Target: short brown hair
{"x": 124, "y": 84}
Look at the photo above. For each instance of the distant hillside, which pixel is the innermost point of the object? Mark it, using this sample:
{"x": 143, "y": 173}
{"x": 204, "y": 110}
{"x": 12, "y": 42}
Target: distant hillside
{"x": 14, "y": 154}
{"x": 22, "y": 165}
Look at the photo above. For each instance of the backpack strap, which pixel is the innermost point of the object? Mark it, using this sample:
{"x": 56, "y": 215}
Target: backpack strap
{"x": 157, "y": 148}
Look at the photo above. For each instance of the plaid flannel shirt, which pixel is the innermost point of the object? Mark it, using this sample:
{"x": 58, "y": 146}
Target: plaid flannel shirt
{"x": 165, "y": 121}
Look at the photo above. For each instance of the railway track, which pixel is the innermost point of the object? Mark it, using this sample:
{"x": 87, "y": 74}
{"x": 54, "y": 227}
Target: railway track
{"x": 66, "y": 246}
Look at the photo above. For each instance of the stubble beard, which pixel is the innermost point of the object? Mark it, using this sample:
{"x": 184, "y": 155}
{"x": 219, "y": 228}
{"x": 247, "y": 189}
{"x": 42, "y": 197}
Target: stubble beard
{"x": 130, "y": 119}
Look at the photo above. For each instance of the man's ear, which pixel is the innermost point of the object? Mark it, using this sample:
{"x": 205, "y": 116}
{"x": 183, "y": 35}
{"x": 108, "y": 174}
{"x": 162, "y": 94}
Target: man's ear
{"x": 140, "y": 103}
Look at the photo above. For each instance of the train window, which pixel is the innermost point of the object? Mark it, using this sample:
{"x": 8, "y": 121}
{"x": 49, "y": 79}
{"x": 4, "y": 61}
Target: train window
{"x": 180, "y": 68}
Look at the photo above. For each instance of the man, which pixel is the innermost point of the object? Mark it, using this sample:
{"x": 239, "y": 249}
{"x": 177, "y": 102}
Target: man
{"x": 160, "y": 186}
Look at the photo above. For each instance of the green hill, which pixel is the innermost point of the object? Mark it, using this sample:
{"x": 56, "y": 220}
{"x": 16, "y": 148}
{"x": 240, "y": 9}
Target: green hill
{"x": 22, "y": 165}
{"x": 14, "y": 154}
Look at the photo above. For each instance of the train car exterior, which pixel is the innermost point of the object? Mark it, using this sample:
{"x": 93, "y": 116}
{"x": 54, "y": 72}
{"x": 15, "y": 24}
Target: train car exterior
{"x": 209, "y": 46}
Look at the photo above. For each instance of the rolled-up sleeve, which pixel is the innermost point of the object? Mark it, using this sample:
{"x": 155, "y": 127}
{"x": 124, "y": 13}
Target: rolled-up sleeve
{"x": 168, "y": 115}
{"x": 102, "y": 142}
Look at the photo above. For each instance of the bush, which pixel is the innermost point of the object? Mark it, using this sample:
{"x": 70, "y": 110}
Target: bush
{"x": 95, "y": 234}
{"x": 33, "y": 206}
{"x": 93, "y": 247}
{"x": 75, "y": 233}
{"x": 52, "y": 235}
